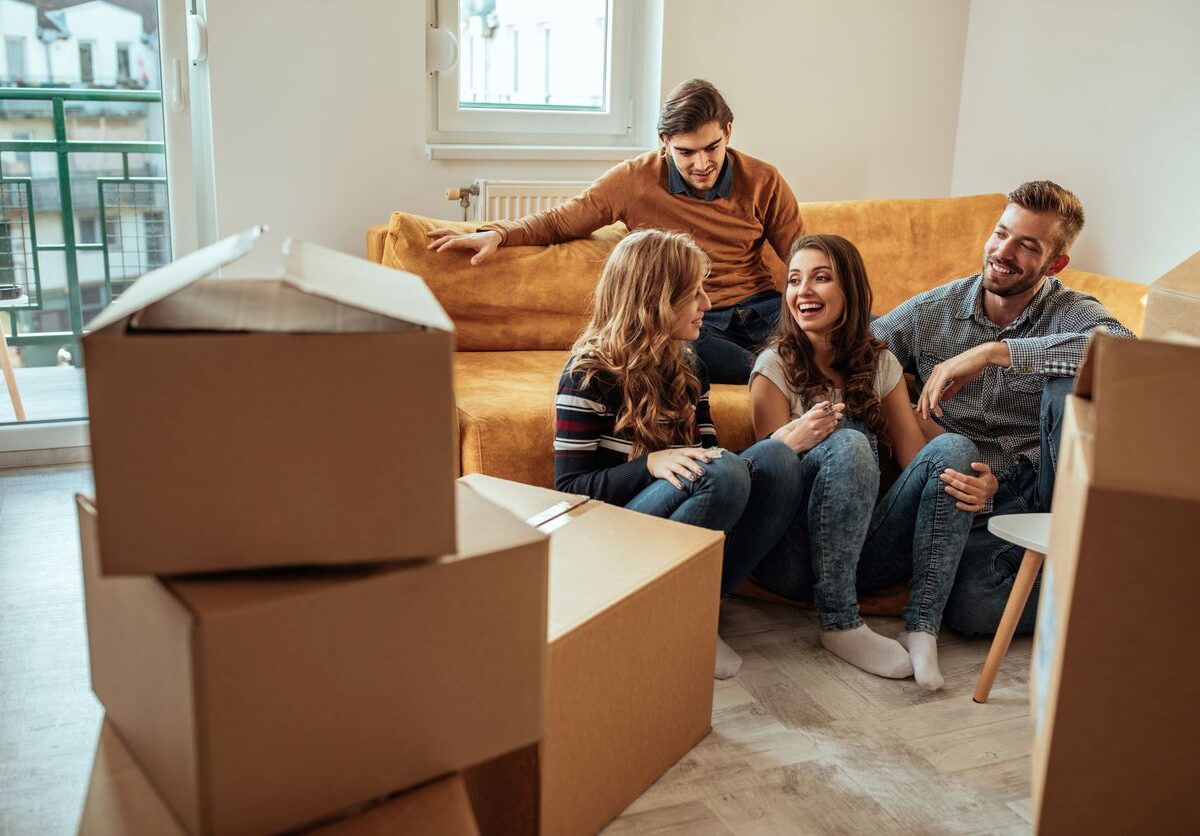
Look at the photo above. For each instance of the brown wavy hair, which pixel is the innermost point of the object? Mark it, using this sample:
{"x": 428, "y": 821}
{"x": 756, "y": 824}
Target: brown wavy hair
{"x": 855, "y": 350}
{"x": 648, "y": 276}
{"x": 691, "y": 105}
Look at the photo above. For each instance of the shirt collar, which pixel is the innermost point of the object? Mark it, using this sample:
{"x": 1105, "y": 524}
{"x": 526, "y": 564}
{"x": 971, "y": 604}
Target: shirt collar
{"x": 972, "y": 304}
{"x": 723, "y": 188}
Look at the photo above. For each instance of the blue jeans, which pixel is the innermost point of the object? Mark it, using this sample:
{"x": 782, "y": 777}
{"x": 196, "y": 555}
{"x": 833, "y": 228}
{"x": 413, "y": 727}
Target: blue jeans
{"x": 751, "y": 496}
{"x": 845, "y": 542}
{"x": 731, "y": 337}
{"x": 989, "y": 565}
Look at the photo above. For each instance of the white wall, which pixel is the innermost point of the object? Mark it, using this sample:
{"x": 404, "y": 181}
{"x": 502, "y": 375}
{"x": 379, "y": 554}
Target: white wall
{"x": 319, "y": 122}
{"x": 849, "y": 100}
{"x": 1103, "y": 97}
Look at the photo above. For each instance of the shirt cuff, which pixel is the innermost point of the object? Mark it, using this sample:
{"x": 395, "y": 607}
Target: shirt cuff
{"x": 1026, "y": 356}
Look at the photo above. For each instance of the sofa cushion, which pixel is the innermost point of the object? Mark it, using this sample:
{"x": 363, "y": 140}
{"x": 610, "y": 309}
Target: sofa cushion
{"x": 521, "y": 298}
{"x": 910, "y": 246}
{"x": 506, "y": 413}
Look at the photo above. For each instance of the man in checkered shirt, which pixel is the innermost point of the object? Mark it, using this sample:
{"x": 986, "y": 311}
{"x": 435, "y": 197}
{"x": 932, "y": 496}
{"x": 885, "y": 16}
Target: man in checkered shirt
{"x": 995, "y": 356}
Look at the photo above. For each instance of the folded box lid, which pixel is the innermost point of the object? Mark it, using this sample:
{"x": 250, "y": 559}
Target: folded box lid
{"x": 306, "y": 270}
{"x": 1146, "y": 395}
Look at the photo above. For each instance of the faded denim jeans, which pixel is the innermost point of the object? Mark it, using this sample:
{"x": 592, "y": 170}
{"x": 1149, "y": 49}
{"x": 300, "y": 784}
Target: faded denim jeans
{"x": 731, "y": 337}
{"x": 989, "y": 564}
{"x": 842, "y": 542}
{"x": 751, "y": 496}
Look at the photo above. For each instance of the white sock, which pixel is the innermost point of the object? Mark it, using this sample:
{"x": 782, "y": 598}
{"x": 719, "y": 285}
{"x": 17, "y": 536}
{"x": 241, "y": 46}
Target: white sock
{"x": 922, "y": 647}
{"x": 728, "y": 662}
{"x": 866, "y": 649}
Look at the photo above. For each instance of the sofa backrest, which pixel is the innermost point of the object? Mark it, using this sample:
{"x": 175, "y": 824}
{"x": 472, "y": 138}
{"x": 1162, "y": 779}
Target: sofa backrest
{"x": 521, "y": 298}
{"x": 912, "y": 245}
{"x": 529, "y": 298}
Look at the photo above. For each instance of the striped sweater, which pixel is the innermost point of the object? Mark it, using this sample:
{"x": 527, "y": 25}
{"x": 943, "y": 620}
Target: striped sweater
{"x": 589, "y": 456}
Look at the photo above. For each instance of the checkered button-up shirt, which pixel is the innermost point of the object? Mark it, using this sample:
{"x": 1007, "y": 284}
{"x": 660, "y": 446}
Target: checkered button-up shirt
{"x": 999, "y": 409}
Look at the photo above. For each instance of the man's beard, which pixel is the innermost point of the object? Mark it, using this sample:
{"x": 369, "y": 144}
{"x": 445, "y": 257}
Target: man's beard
{"x": 1019, "y": 284}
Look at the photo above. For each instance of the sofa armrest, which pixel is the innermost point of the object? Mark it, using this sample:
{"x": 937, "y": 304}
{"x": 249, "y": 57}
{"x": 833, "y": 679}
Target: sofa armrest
{"x": 376, "y": 235}
{"x": 1125, "y": 300}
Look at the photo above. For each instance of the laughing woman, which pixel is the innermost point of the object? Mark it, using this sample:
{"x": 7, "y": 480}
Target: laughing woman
{"x": 834, "y": 394}
{"x": 633, "y": 425}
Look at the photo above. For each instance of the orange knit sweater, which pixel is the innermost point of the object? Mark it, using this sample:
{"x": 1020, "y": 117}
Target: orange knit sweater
{"x": 761, "y": 208}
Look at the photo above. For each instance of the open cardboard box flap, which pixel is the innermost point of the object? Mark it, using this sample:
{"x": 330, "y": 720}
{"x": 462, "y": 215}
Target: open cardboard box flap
{"x": 317, "y": 290}
{"x": 1140, "y": 391}
{"x": 539, "y": 507}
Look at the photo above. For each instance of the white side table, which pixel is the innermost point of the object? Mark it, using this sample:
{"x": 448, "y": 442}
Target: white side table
{"x": 10, "y": 379}
{"x": 1033, "y": 532}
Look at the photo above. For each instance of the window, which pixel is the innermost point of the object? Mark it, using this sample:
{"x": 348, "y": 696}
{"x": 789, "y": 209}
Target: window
{"x": 23, "y": 159}
{"x": 158, "y": 239}
{"x": 122, "y": 62}
{"x": 14, "y": 54}
{"x": 561, "y": 71}
{"x": 89, "y": 230}
{"x": 87, "y": 74}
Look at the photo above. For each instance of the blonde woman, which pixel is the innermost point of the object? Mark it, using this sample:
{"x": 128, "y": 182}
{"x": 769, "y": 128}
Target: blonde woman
{"x": 633, "y": 425}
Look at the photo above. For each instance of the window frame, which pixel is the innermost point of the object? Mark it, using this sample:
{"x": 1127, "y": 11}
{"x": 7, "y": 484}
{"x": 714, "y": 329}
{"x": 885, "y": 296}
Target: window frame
{"x": 90, "y": 77}
{"x": 123, "y": 47}
{"x": 500, "y": 126}
{"x": 16, "y": 70}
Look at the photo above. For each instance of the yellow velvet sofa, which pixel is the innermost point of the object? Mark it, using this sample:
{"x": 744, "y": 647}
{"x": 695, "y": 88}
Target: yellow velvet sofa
{"x": 517, "y": 313}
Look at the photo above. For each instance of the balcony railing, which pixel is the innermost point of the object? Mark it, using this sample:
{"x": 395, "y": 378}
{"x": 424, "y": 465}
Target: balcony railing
{"x": 74, "y": 234}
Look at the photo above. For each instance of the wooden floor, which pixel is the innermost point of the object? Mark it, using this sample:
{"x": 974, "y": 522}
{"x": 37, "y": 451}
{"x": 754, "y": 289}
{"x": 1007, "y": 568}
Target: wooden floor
{"x": 801, "y": 742}
{"x": 48, "y": 394}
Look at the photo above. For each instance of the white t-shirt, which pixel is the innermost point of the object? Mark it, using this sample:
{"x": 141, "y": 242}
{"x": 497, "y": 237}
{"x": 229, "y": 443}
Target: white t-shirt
{"x": 770, "y": 366}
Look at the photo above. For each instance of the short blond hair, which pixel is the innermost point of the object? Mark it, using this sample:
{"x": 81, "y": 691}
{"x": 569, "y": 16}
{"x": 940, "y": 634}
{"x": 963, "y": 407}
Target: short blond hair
{"x": 1047, "y": 196}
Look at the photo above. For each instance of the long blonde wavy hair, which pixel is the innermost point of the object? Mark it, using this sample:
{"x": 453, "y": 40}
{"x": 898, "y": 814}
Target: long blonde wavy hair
{"x": 647, "y": 278}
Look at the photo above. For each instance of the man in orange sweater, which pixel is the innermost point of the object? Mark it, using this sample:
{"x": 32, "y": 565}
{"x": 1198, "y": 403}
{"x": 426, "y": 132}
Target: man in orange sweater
{"x": 730, "y": 203}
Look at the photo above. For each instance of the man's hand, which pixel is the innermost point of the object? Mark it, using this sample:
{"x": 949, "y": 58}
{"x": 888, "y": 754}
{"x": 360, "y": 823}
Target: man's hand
{"x": 972, "y": 492}
{"x": 483, "y": 243}
{"x": 949, "y": 376}
{"x": 680, "y": 461}
{"x": 811, "y": 428}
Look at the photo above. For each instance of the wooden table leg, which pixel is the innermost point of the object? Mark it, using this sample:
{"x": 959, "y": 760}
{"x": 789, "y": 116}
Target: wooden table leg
{"x": 9, "y": 378}
{"x": 1031, "y": 563}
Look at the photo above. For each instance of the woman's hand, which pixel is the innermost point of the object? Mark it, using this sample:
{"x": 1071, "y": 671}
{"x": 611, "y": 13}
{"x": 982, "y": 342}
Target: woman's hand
{"x": 680, "y": 462}
{"x": 972, "y": 492}
{"x": 811, "y": 428}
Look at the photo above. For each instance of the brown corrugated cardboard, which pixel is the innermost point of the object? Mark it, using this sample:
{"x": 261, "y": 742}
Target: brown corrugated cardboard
{"x": 1114, "y": 686}
{"x": 632, "y": 631}
{"x": 252, "y": 423}
{"x": 121, "y": 801}
{"x": 260, "y": 701}
{"x": 1173, "y": 304}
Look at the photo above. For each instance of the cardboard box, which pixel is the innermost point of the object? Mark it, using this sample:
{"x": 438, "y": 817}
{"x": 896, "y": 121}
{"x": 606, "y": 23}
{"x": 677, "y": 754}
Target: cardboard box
{"x": 122, "y": 802}
{"x": 307, "y": 419}
{"x": 1115, "y": 686}
{"x": 260, "y": 701}
{"x": 1173, "y": 304}
{"x": 632, "y": 632}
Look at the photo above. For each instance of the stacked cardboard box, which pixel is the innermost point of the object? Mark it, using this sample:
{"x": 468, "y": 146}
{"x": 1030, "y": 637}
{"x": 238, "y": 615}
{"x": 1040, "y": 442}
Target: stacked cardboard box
{"x": 362, "y": 624}
{"x": 632, "y": 635}
{"x": 1173, "y": 304}
{"x": 1115, "y": 685}
{"x": 121, "y": 801}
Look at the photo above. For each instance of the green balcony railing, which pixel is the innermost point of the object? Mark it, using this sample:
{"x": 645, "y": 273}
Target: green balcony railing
{"x": 51, "y": 281}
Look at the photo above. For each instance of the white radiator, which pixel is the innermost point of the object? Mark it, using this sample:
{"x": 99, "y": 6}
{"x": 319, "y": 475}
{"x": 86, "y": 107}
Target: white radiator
{"x": 501, "y": 200}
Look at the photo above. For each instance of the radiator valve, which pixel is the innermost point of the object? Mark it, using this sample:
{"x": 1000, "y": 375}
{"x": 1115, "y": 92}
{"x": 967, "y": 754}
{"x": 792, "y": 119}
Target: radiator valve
{"x": 463, "y": 195}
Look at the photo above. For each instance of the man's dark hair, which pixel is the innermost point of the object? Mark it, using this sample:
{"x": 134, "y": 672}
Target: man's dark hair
{"x": 1046, "y": 196}
{"x": 692, "y": 104}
